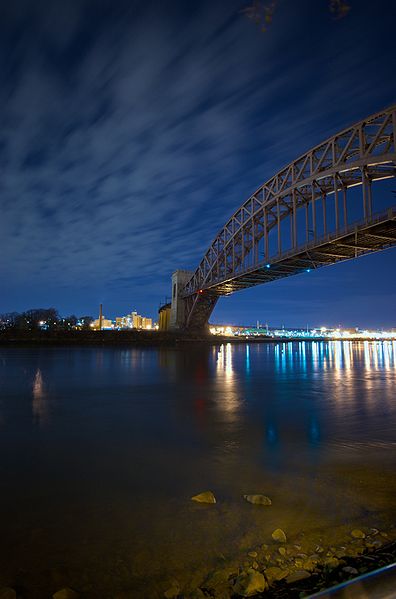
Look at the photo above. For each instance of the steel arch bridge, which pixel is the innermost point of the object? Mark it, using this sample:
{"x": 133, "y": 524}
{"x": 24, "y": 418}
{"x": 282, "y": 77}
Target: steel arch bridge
{"x": 302, "y": 218}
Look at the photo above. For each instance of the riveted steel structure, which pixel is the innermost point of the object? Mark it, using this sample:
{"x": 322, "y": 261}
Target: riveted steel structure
{"x": 303, "y": 217}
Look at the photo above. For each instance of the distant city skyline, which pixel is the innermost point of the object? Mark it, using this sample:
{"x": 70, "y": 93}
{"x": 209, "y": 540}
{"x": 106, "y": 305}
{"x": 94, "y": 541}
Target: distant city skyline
{"x": 131, "y": 133}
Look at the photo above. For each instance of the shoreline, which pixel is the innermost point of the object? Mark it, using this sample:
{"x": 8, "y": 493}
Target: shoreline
{"x": 149, "y": 339}
{"x": 293, "y": 568}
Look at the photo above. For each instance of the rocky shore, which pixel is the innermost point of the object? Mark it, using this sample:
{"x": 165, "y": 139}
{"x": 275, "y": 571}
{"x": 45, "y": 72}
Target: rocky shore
{"x": 294, "y": 568}
{"x": 280, "y": 568}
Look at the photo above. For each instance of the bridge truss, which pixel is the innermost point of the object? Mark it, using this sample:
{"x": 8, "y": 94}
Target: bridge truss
{"x": 303, "y": 217}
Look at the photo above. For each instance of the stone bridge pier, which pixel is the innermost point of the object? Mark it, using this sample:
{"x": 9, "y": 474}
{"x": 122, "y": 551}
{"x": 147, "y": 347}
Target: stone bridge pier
{"x": 179, "y": 307}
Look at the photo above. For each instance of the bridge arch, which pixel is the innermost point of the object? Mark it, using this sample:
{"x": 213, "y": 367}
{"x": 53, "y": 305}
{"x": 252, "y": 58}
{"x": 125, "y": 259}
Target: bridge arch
{"x": 250, "y": 249}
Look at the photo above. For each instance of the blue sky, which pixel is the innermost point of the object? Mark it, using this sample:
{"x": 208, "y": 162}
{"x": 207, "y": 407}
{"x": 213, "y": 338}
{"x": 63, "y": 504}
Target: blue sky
{"x": 130, "y": 132}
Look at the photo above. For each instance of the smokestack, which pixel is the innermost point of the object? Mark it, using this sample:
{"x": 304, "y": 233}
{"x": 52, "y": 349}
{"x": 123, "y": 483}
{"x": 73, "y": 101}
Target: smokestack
{"x": 100, "y": 317}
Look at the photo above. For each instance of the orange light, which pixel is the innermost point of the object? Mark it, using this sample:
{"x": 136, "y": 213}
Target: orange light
{"x": 201, "y": 291}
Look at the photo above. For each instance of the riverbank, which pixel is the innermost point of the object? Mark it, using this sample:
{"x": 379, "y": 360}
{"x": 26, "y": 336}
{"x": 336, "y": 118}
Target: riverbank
{"x": 292, "y": 568}
{"x": 279, "y": 569}
{"x": 139, "y": 338}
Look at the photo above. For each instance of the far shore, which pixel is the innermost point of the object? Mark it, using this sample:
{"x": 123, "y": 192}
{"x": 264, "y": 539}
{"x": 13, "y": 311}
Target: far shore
{"x": 137, "y": 338}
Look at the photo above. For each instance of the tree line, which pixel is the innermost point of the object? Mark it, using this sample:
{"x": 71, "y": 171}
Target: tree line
{"x": 43, "y": 319}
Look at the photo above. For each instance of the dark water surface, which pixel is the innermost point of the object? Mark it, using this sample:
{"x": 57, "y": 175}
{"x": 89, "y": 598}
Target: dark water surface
{"x": 101, "y": 449}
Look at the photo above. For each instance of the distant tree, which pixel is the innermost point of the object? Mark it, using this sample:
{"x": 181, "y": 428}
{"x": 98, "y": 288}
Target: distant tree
{"x": 38, "y": 318}
{"x": 8, "y": 319}
{"x": 86, "y": 321}
{"x": 261, "y": 13}
{"x": 69, "y": 322}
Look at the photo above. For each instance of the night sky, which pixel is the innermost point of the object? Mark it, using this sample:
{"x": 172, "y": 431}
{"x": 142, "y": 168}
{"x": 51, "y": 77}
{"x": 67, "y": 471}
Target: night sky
{"x": 131, "y": 131}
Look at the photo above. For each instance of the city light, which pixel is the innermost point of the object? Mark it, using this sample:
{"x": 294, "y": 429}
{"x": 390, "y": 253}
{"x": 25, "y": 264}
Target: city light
{"x": 321, "y": 333}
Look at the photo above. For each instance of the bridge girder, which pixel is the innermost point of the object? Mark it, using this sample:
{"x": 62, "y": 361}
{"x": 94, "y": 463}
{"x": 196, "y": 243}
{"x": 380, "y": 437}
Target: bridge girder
{"x": 239, "y": 255}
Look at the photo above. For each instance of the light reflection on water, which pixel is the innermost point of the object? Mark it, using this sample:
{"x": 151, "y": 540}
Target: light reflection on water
{"x": 101, "y": 449}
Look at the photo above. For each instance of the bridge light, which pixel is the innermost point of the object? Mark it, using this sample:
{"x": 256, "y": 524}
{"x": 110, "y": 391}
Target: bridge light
{"x": 268, "y": 265}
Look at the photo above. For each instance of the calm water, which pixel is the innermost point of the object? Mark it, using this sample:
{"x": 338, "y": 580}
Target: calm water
{"x": 101, "y": 450}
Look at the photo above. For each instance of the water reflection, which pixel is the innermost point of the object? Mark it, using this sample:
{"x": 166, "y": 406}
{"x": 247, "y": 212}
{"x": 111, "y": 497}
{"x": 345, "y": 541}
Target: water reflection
{"x": 227, "y": 384}
{"x": 39, "y": 403}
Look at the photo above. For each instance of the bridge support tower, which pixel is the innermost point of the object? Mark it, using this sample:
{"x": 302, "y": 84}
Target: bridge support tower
{"x": 179, "y": 309}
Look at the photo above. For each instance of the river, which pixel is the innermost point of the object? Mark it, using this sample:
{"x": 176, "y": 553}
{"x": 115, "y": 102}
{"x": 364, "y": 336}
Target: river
{"x": 102, "y": 448}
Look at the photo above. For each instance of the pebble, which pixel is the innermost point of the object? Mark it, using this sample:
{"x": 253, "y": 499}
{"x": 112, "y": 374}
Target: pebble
{"x": 197, "y": 594}
{"x": 350, "y": 570}
{"x": 7, "y": 593}
{"x": 358, "y": 534}
{"x": 296, "y": 576}
{"x": 279, "y": 536}
{"x": 282, "y": 550}
{"x": 275, "y": 573}
{"x": 172, "y": 592}
{"x": 332, "y": 562}
{"x": 252, "y": 554}
{"x": 250, "y": 583}
{"x": 205, "y": 497}
{"x": 66, "y": 593}
{"x": 258, "y": 499}
{"x": 218, "y": 577}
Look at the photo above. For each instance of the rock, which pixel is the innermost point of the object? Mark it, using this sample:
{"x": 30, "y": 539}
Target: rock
{"x": 374, "y": 531}
{"x": 172, "y": 592}
{"x": 282, "y": 550}
{"x": 350, "y": 570}
{"x": 217, "y": 578}
{"x": 258, "y": 499}
{"x": 309, "y": 564}
{"x": 255, "y": 565}
{"x": 197, "y": 594}
{"x": 7, "y": 593}
{"x": 249, "y": 583}
{"x": 66, "y": 593}
{"x": 331, "y": 562}
{"x": 252, "y": 554}
{"x": 296, "y": 576}
{"x": 275, "y": 573}
{"x": 205, "y": 497}
{"x": 279, "y": 536}
{"x": 358, "y": 534}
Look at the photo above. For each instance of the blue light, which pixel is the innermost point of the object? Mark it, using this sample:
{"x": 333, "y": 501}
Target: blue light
{"x": 308, "y": 270}
{"x": 268, "y": 265}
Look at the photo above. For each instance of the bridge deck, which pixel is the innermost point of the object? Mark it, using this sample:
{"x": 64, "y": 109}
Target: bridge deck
{"x": 358, "y": 239}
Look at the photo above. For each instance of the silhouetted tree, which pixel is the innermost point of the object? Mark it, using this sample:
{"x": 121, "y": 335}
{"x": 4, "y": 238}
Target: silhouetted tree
{"x": 86, "y": 321}
{"x": 8, "y": 319}
{"x": 37, "y": 318}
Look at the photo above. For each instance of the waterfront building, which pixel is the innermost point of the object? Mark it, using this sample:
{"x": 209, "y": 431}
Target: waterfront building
{"x": 133, "y": 321}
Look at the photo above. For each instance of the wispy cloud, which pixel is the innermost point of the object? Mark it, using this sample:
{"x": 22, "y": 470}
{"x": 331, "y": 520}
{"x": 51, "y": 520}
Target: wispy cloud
{"x": 130, "y": 133}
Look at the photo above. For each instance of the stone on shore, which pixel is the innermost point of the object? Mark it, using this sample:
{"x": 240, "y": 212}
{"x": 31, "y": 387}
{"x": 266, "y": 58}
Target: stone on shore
{"x": 350, "y": 570}
{"x": 66, "y": 593}
{"x": 279, "y": 536}
{"x": 358, "y": 534}
{"x": 205, "y": 497}
{"x": 196, "y": 594}
{"x": 249, "y": 583}
{"x": 7, "y": 593}
{"x": 258, "y": 499}
{"x": 172, "y": 592}
{"x": 275, "y": 573}
{"x": 217, "y": 578}
{"x": 297, "y": 576}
